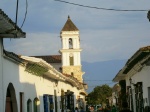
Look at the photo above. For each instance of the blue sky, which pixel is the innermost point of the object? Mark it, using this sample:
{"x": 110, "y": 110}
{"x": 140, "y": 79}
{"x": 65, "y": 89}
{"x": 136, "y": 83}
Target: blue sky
{"x": 105, "y": 35}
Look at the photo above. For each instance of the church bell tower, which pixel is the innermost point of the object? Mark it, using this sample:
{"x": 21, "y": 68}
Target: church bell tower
{"x": 71, "y": 51}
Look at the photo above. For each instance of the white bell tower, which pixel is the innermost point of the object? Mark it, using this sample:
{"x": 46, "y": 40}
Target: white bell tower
{"x": 70, "y": 52}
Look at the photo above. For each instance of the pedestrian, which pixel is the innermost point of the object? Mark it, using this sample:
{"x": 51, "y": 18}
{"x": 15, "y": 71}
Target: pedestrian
{"x": 81, "y": 109}
{"x": 92, "y": 108}
{"x": 113, "y": 109}
{"x": 76, "y": 109}
{"x": 68, "y": 110}
{"x": 125, "y": 107}
{"x": 107, "y": 109}
{"x": 100, "y": 109}
{"x": 147, "y": 109}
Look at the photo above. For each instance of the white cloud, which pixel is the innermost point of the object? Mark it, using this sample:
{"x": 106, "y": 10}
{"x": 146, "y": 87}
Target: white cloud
{"x": 105, "y": 35}
{"x": 35, "y": 44}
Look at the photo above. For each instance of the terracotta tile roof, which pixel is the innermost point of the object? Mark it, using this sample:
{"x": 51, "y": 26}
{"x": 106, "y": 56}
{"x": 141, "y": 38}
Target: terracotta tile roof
{"x": 69, "y": 26}
{"x": 137, "y": 57}
{"x": 9, "y": 29}
{"x": 50, "y": 58}
{"x": 145, "y": 48}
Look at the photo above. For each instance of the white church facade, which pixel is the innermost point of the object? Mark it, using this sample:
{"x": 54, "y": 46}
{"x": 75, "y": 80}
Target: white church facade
{"x": 33, "y": 84}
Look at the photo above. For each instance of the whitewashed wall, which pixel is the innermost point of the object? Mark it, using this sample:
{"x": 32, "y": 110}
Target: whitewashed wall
{"x": 1, "y": 79}
{"x": 32, "y": 86}
{"x": 144, "y": 77}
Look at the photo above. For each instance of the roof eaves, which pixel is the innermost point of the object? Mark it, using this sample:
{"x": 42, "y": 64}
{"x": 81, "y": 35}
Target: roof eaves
{"x": 8, "y": 29}
{"x": 119, "y": 76}
{"x": 137, "y": 57}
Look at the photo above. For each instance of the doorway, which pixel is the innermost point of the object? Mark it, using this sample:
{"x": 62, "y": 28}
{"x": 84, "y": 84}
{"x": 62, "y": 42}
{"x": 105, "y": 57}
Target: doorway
{"x": 11, "y": 102}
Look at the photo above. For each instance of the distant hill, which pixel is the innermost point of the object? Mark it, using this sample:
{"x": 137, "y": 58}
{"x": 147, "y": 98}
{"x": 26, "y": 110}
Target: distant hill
{"x": 99, "y": 73}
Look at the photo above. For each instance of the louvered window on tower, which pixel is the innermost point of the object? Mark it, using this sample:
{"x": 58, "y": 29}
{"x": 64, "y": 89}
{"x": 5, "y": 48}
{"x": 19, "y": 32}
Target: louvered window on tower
{"x": 71, "y": 60}
{"x": 70, "y": 43}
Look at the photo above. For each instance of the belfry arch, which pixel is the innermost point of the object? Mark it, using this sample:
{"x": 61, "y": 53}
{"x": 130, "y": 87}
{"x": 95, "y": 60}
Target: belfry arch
{"x": 11, "y": 102}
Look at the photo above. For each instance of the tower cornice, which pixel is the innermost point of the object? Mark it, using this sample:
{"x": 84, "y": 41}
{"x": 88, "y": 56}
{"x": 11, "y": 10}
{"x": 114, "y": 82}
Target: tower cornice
{"x": 70, "y": 50}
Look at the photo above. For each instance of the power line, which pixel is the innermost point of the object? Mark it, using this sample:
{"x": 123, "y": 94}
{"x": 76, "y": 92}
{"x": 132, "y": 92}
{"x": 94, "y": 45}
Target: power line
{"x": 96, "y": 7}
{"x": 90, "y": 85}
{"x": 25, "y": 14}
{"x": 17, "y": 12}
{"x": 97, "y": 80}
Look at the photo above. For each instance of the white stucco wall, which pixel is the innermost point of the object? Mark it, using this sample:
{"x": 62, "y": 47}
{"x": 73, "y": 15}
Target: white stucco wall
{"x": 65, "y": 59}
{"x": 1, "y": 78}
{"x": 142, "y": 76}
{"x": 30, "y": 85}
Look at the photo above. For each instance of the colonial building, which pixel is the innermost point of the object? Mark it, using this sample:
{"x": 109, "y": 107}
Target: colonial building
{"x": 136, "y": 73}
{"x": 36, "y": 84}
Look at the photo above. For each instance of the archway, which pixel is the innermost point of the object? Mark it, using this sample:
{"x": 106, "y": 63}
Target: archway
{"x": 29, "y": 105}
{"x": 36, "y": 104}
{"x": 11, "y": 102}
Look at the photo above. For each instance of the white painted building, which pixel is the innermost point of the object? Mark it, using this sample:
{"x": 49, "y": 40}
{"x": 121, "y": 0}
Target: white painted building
{"x": 29, "y": 84}
{"x": 136, "y": 73}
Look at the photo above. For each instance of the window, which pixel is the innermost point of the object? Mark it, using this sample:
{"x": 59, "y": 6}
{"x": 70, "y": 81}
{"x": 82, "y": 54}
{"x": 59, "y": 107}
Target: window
{"x": 29, "y": 105}
{"x": 69, "y": 100}
{"x": 139, "y": 97}
{"x": 71, "y": 59}
{"x": 149, "y": 95}
{"x": 36, "y": 104}
{"x": 21, "y": 101}
{"x": 62, "y": 107}
{"x": 55, "y": 96}
{"x": 130, "y": 98}
{"x": 70, "y": 43}
{"x": 48, "y": 103}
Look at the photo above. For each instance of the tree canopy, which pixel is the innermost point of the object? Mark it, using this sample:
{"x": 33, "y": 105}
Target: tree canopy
{"x": 99, "y": 95}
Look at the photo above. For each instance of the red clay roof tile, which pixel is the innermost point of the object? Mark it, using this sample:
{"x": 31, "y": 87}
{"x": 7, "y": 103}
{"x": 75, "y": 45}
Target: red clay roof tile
{"x": 50, "y": 58}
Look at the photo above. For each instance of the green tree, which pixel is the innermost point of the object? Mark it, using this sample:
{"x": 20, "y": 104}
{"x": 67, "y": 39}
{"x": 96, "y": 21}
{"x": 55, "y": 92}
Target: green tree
{"x": 99, "y": 95}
